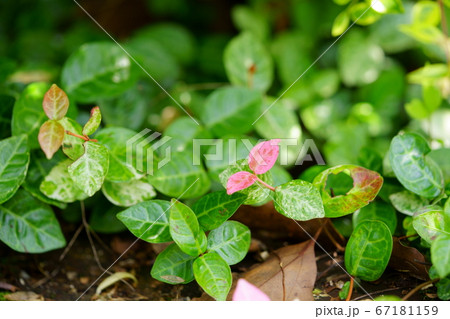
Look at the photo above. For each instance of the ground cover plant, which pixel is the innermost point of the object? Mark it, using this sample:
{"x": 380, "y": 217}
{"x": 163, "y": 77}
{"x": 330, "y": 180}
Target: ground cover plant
{"x": 214, "y": 143}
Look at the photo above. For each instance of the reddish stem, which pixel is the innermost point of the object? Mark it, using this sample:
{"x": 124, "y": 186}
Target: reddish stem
{"x": 84, "y": 138}
{"x": 265, "y": 184}
{"x": 350, "y": 290}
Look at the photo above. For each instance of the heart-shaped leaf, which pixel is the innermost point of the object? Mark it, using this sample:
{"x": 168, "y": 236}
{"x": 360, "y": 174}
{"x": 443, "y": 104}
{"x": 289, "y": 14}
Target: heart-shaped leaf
{"x": 94, "y": 121}
{"x": 89, "y": 171}
{"x": 215, "y": 208}
{"x": 366, "y": 185}
{"x": 173, "y": 266}
{"x": 430, "y": 223}
{"x": 417, "y": 172}
{"x": 239, "y": 181}
{"x": 214, "y": 275}
{"x": 368, "y": 250}
{"x": 298, "y": 200}
{"x": 148, "y": 221}
{"x": 28, "y": 225}
{"x": 263, "y": 156}
{"x": 14, "y": 160}
{"x": 128, "y": 193}
{"x": 231, "y": 241}
{"x": 51, "y": 136}
{"x": 56, "y": 103}
{"x": 185, "y": 229}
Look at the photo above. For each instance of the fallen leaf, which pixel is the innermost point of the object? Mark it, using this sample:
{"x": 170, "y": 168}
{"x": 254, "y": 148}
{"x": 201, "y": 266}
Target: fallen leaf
{"x": 112, "y": 279}
{"x": 24, "y": 296}
{"x": 408, "y": 259}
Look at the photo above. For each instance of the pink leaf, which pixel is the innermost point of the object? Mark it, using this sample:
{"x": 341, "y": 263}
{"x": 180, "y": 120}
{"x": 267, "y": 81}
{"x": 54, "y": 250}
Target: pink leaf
{"x": 263, "y": 156}
{"x": 245, "y": 291}
{"x": 239, "y": 181}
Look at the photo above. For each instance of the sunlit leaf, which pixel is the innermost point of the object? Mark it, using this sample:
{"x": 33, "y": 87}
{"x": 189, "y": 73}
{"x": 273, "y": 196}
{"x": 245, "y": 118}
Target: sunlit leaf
{"x": 94, "y": 121}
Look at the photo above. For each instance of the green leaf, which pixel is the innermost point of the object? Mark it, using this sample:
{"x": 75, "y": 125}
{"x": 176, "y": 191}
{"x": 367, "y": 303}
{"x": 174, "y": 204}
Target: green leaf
{"x": 58, "y": 184}
{"x": 6, "y": 108}
{"x": 56, "y": 103}
{"x": 51, "y": 136}
{"x": 426, "y": 13}
{"x": 215, "y": 208}
{"x": 231, "y": 110}
{"x": 185, "y": 229}
{"x": 343, "y": 293}
{"x": 148, "y": 221}
{"x": 14, "y": 160}
{"x": 28, "y": 115}
{"x": 116, "y": 139}
{"x": 298, "y": 200}
{"x": 255, "y": 193}
{"x": 380, "y": 211}
{"x": 103, "y": 218}
{"x": 28, "y": 225}
{"x": 214, "y": 275}
{"x": 443, "y": 289}
{"x": 183, "y": 131}
{"x": 440, "y": 255}
{"x": 340, "y": 24}
{"x": 388, "y": 6}
{"x": 363, "y": 13}
{"x": 417, "y": 109}
{"x": 428, "y": 73}
{"x": 429, "y": 223}
{"x": 72, "y": 146}
{"x": 231, "y": 241}
{"x": 173, "y": 266}
{"x": 432, "y": 97}
{"x": 413, "y": 169}
{"x": 89, "y": 171}
{"x": 180, "y": 178}
{"x": 441, "y": 156}
{"x": 366, "y": 185}
{"x": 248, "y": 63}
{"x": 127, "y": 194}
{"x": 407, "y": 202}
{"x": 94, "y": 121}
{"x": 368, "y": 250}
{"x": 247, "y": 19}
{"x": 96, "y": 71}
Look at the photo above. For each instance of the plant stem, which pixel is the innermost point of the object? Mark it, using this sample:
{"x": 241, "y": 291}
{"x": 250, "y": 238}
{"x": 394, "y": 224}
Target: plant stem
{"x": 413, "y": 291}
{"x": 350, "y": 290}
{"x": 265, "y": 184}
{"x": 84, "y": 138}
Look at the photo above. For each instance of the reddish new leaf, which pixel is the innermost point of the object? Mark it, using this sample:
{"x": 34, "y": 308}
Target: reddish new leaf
{"x": 366, "y": 185}
{"x": 55, "y": 103}
{"x": 51, "y": 136}
{"x": 263, "y": 156}
{"x": 245, "y": 291}
{"x": 239, "y": 181}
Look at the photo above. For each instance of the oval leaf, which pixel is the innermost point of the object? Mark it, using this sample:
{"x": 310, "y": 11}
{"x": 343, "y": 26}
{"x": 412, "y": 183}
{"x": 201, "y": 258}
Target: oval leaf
{"x": 185, "y": 230}
{"x": 368, "y": 250}
{"x": 148, "y": 221}
{"x": 127, "y": 194}
{"x": 377, "y": 211}
{"x": 56, "y": 103}
{"x": 430, "y": 223}
{"x": 298, "y": 200}
{"x": 366, "y": 185}
{"x": 51, "y": 136}
{"x": 14, "y": 160}
{"x": 231, "y": 241}
{"x": 214, "y": 275}
{"x": 263, "y": 156}
{"x": 240, "y": 181}
{"x": 94, "y": 121}
{"x": 407, "y": 202}
{"x": 173, "y": 266}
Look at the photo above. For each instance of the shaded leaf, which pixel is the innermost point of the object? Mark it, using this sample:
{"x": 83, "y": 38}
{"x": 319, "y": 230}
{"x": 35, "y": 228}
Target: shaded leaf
{"x": 128, "y": 193}
{"x": 94, "y": 121}
{"x": 377, "y": 211}
{"x": 408, "y": 259}
{"x": 440, "y": 255}
{"x": 56, "y": 103}
{"x": 173, "y": 266}
{"x": 407, "y": 202}
{"x": 51, "y": 136}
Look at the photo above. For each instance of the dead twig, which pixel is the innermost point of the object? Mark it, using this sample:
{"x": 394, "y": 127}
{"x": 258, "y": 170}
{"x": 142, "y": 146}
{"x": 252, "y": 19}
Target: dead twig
{"x": 422, "y": 285}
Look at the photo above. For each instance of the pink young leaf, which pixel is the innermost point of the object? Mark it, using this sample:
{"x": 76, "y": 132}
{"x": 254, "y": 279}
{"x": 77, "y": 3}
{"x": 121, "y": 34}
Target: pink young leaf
{"x": 245, "y": 291}
{"x": 239, "y": 181}
{"x": 263, "y": 156}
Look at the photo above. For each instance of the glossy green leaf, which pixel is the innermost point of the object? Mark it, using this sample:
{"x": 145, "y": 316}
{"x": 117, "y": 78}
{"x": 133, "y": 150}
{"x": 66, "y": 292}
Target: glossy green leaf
{"x": 51, "y": 136}
{"x": 28, "y": 115}
{"x": 215, "y": 208}
{"x": 363, "y": 13}
{"x": 127, "y": 194}
{"x": 89, "y": 171}
{"x": 368, "y": 250}
{"x": 231, "y": 241}
{"x": 182, "y": 132}
{"x": 340, "y": 24}
{"x": 413, "y": 169}
{"x": 378, "y": 210}
{"x": 443, "y": 289}
{"x": 72, "y": 146}
{"x": 231, "y": 110}
{"x": 387, "y": 6}
{"x": 430, "y": 223}
{"x": 180, "y": 178}
{"x": 98, "y": 70}
{"x": 56, "y": 103}
{"x": 440, "y": 255}
{"x": 298, "y": 200}
{"x": 28, "y": 225}
{"x": 148, "y": 221}
{"x": 58, "y": 184}
{"x": 103, "y": 218}
{"x": 14, "y": 160}
{"x": 94, "y": 121}
{"x": 214, "y": 275}
{"x": 255, "y": 193}
{"x": 173, "y": 266}
{"x": 366, "y": 185}
{"x": 407, "y": 202}
{"x": 248, "y": 63}
{"x": 185, "y": 229}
